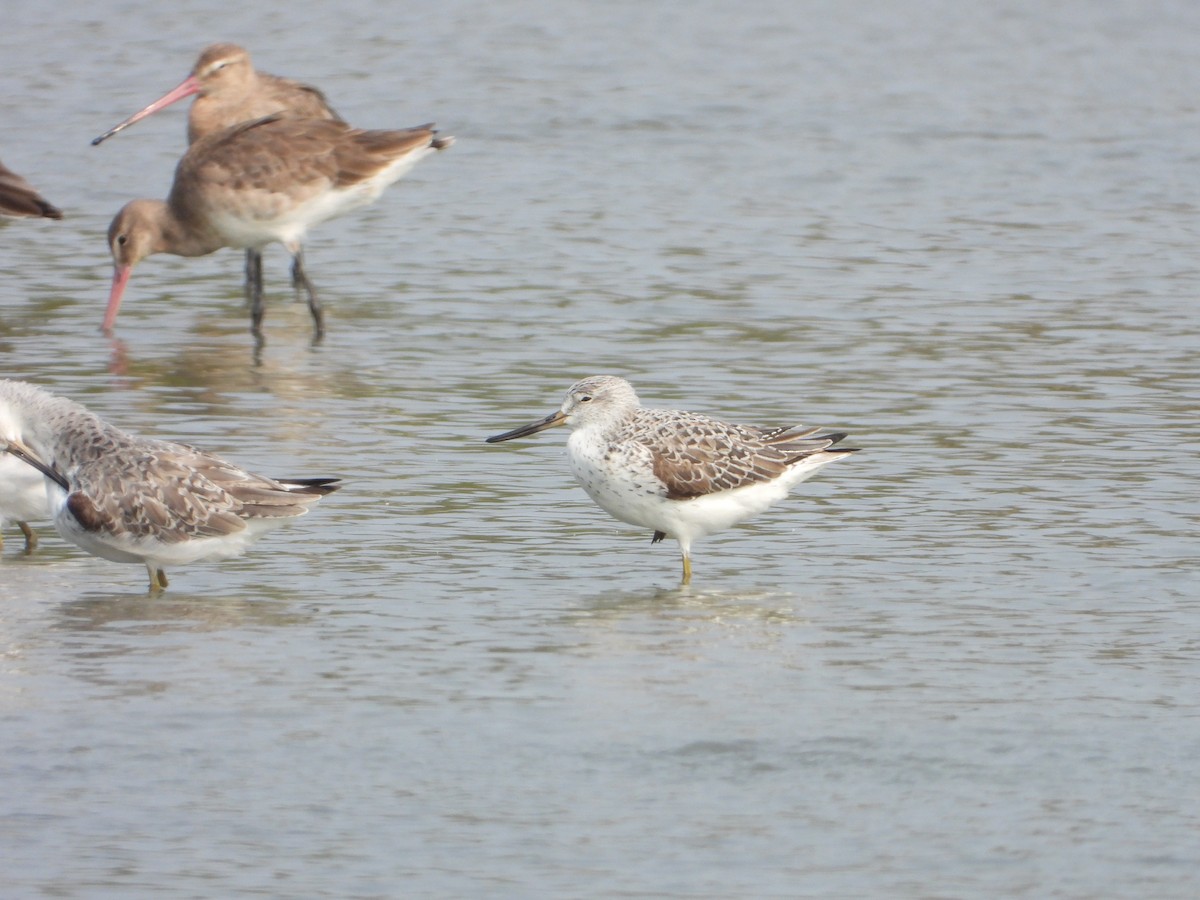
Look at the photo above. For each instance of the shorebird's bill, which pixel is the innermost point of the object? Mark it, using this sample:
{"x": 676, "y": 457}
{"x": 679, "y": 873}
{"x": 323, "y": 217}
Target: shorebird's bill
{"x": 23, "y": 453}
{"x": 119, "y": 280}
{"x": 555, "y": 418}
{"x": 189, "y": 86}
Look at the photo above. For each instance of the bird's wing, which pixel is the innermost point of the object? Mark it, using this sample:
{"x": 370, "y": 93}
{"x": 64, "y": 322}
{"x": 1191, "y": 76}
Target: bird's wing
{"x": 698, "y": 455}
{"x": 171, "y": 492}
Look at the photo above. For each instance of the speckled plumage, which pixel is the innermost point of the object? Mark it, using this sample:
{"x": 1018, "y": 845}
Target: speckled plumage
{"x": 683, "y": 474}
{"x": 132, "y": 499}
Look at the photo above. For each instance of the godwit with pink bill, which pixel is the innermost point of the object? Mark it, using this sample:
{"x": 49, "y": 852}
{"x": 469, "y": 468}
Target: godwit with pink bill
{"x": 260, "y": 182}
{"x": 231, "y": 91}
{"x": 136, "y": 500}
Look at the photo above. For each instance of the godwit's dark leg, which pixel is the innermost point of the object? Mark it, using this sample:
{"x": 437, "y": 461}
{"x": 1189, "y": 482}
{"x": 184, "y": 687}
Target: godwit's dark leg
{"x": 299, "y": 287}
{"x": 254, "y": 279}
{"x": 300, "y": 279}
{"x": 253, "y": 264}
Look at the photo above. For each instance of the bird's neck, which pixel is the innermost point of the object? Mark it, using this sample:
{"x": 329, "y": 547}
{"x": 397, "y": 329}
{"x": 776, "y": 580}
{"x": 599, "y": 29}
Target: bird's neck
{"x": 182, "y": 234}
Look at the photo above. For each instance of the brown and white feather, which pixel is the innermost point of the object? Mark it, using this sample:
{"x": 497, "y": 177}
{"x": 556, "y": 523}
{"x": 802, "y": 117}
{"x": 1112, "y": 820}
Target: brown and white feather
{"x": 694, "y": 455}
{"x": 133, "y": 488}
{"x": 233, "y": 91}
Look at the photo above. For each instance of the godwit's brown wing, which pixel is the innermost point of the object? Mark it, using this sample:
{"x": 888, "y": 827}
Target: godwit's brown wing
{"x": 263, "y": 181}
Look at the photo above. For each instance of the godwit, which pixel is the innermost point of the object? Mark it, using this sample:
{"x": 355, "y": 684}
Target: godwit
{"x": 135, "y": 500}
{"x": 260, "y": 182}
{"x": 680, "y": 473}
{"x": 18, "y": 198}
{"x": 232, "y": 91}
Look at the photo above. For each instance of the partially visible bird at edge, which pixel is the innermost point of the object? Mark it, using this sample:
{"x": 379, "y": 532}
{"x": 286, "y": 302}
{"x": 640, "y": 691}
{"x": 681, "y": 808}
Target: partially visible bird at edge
{"x": 138, "y": 500}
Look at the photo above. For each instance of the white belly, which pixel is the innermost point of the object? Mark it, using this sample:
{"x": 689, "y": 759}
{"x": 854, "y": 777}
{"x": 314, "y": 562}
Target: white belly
{"x": 22, "y": 491}
{"x": 622, "y": 483}
{"x": 126, "y": 548}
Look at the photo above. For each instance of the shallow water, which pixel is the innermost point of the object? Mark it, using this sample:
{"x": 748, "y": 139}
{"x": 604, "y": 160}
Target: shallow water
{"x": 960, "y": 664}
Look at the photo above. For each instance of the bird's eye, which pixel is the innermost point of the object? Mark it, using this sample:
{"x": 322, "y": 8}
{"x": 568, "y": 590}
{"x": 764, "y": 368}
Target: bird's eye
{"x": 122, "y": 239}
{"x": 585, "y": 398}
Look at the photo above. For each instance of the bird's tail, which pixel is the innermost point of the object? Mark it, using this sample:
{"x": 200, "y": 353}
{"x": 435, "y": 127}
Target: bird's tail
{"x": 318, "y": 486}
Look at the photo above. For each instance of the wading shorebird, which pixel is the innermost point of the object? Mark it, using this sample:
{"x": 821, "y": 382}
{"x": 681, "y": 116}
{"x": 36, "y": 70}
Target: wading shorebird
{"x": 260, "y": 182}
{"x": 682, "y": 474}
{"x": 137, "y": 500}
{"x": 231, "y": 91}
{"x": 228, "y": 91}
{"x": 22, "y": 490}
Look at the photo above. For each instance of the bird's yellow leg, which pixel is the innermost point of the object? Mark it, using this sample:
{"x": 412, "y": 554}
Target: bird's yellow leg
{"x": 158, "y": 579}
{"x": 31, "y": 537}
{"x": 687, "y": 569}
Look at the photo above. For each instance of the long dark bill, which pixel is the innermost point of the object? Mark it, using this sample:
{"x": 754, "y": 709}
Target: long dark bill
{"x": 24, "y": 454}
{"x": 556, "y": 418}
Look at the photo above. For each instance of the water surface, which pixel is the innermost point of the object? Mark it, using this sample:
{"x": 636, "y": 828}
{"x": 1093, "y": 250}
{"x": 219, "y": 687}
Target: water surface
{"x": 960, "y": 664}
